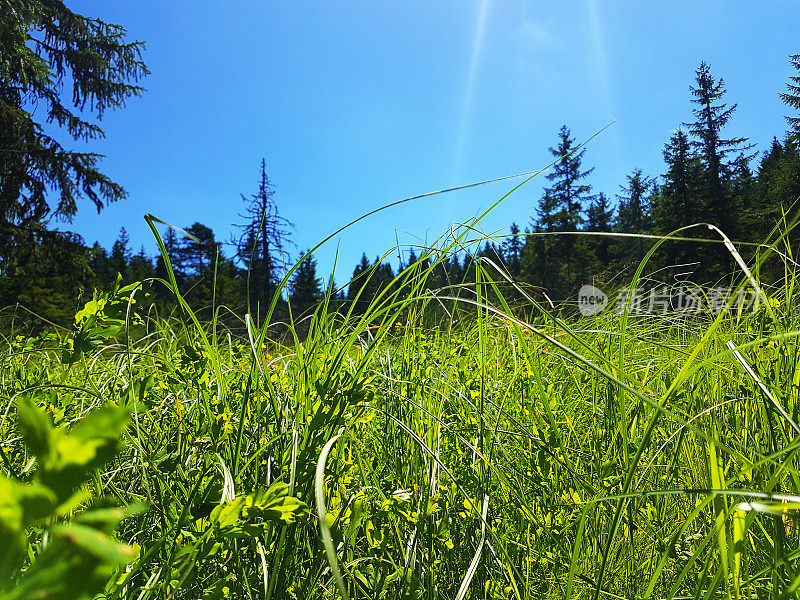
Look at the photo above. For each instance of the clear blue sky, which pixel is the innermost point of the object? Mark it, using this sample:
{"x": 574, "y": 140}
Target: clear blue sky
{"x": 357, "y": 104}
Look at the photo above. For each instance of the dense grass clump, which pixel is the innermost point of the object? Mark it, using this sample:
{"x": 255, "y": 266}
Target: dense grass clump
{"x": 443, "y": 445}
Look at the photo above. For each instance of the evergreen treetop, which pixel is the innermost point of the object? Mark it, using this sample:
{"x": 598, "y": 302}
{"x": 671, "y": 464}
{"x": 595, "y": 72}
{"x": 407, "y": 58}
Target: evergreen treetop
{"x": 599, "y": 215}
{"x": 305, "y": 289}
{"x": 44, "y": 47}
{"x": 567, "y": 194}
{"x": 792, "y": 96}
{"x": 634, "y": 203}
{"x": 261, "y": 247}
{"x": 711, "y": 115}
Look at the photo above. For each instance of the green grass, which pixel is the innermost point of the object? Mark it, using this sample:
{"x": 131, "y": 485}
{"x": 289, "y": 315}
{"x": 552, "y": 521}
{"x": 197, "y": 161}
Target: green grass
{"x": 405, "y": 454}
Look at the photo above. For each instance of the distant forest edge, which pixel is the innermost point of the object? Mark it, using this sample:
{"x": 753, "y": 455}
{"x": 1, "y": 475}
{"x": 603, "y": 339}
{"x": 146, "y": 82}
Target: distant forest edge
{"x": 710, "y": 176}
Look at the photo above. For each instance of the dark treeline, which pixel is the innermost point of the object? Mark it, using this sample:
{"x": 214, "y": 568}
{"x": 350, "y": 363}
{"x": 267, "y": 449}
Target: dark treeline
{"x": 710, "y": 175}
{"x": 57, "y": 270}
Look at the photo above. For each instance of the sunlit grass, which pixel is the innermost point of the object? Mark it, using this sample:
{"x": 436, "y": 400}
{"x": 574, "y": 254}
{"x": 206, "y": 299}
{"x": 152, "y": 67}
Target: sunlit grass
{"x": 447, "y": 444}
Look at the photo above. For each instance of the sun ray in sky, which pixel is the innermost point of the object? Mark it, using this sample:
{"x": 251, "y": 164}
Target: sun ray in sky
{"x": 602, "y": 79}
{"x": 600, "y": 59}
{"x": 466, "y": 109}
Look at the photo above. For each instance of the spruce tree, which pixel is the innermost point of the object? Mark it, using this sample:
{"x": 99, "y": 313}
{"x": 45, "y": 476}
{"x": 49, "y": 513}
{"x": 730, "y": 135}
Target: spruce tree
{"x": 369, "y": 280}
{"x": 567, "y": 194}
{"x": 792, "y": 97}
{"x": 198, "y": 253}
{"x": 537, "y": 265}
{"x": 262, "y": 245}
{"x": 776, "y": 188}
{"x": 305, "y": 289}
{"x": 599, "y": 215}
{"x": 356, "y": 291}
{"x": 412, "y": 258}
{"x": 771, "y": 157}
{"x": 711, "y": 115}
{"x": 455, "y": 272}
{"x": 384, "y": 276}
{"x": 550, "y": 216}
{"x": 600, "y": 219}
{"x": 101, "y": 268}
{"x": 172, "y": 246}
{"x": 564, "y": 260}
{"x": 140, "y": 266}
{"x": 634, "y": 203}
{"x": 120, "y": 253}
{"x": 633, "y": 215}
{"x": 678, "y": 202}
{"x": 512, "y": 251}
{"x": 44, "y": 48}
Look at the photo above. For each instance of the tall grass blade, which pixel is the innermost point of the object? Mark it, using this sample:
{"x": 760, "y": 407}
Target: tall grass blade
{"x": 322, "y": 513}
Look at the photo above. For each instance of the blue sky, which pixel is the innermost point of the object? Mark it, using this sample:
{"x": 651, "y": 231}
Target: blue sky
{"x": 357, "y": 104}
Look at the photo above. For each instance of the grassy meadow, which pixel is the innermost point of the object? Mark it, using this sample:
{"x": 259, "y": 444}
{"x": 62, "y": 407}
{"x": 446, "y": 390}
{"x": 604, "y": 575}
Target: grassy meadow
{"x": 443, "y": 445}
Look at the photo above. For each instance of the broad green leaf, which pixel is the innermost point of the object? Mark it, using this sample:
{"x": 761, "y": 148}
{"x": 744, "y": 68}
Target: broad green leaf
{"x": 10, "y": 510}
{"x": 12, "y": 538}
{"x": 275, "y": 504}
{"x": 235, "y": 517}
{"x": 76, "y": 565}
{"x": 94, "y": 542}
{"x": 90, "y": 444}
{"x": 37, "y": 502}
{"x": 91, "y": 308}
{"x": 107, "y": 519}
{"x": 227, "y": 514}
{"x": 108, "y": 422}
{"x": 35, "y": 427}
